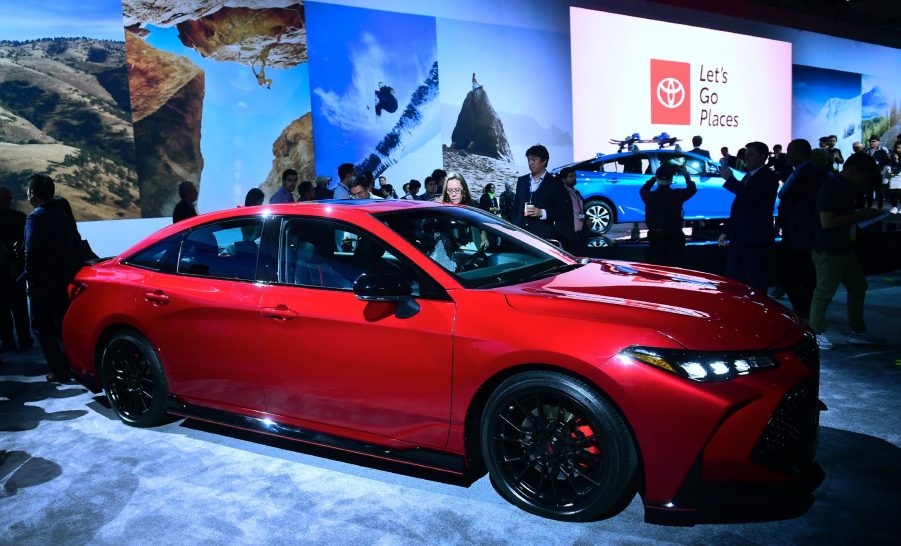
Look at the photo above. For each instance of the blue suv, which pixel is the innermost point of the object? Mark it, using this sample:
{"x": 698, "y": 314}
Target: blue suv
{"x": 610, "y": 183}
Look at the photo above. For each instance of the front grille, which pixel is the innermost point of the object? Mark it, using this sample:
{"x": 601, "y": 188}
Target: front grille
{"x": 789, "y": 440}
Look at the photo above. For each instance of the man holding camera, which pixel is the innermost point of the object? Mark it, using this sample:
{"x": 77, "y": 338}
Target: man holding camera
{"x": 663, "y": 214}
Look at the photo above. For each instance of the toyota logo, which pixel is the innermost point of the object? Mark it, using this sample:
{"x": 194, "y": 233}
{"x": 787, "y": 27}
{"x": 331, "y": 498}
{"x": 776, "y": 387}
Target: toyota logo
{"x": 670, "y": 93}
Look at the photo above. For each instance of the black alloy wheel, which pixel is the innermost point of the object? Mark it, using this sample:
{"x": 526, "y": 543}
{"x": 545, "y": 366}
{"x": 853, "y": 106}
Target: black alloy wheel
{"x": 133, "y": 379}
{"x": 600, "y": 217}
{"x": 556, "y": 448}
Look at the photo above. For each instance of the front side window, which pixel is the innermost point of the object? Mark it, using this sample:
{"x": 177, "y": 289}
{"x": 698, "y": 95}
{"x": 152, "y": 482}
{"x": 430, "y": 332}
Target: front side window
{"x": 478, "y": 249}
{"x": 225, "y": 250}
{"x": 323, "y": 254}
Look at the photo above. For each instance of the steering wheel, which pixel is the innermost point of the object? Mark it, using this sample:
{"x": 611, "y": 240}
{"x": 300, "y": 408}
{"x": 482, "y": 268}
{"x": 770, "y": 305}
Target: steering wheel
{"x": 476, "y": 261}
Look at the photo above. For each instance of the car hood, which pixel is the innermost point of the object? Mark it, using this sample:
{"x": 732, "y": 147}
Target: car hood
{"x": 697, "y": 310}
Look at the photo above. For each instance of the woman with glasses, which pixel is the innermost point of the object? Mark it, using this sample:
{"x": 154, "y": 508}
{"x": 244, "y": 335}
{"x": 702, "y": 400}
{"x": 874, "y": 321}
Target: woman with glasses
{"x": 456, "y": 191}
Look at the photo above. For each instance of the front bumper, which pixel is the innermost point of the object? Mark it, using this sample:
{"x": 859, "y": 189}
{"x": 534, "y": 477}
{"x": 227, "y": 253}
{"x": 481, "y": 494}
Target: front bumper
{"x": 759, "y": 463}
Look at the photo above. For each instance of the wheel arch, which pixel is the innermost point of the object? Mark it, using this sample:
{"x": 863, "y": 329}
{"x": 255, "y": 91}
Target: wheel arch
{"x": 155, "y": 411}
{"x": 108, "y": 333}
{"x": 472, "y": 423}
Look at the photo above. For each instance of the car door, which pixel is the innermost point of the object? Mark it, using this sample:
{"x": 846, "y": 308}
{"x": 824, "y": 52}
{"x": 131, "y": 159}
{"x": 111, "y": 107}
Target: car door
{"x": 624, "y": 176}
{"x": 354, "y": 366}
{"x": 202, "y": 316}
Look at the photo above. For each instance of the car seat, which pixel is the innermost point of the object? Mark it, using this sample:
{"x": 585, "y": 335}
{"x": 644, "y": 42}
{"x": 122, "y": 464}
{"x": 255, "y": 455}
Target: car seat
{"x": 311, "y": 270}
{"x": 199, "y": 254}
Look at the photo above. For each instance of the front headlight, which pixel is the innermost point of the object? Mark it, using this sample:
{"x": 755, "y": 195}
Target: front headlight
{"x": 701, "y": 366}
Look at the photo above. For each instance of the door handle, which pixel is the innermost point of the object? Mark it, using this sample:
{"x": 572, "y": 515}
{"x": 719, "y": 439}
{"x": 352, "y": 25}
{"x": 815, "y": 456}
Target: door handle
{"x": 280, "y": 312}
{"x": 157, "y": 297}
{"x": 613, "y": 180}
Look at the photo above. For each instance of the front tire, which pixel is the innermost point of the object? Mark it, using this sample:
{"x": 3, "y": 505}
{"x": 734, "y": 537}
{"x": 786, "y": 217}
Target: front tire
{"x": 600, "y": 217}
{"x": 133, "y": 379}
{"x": 556, "y": 448}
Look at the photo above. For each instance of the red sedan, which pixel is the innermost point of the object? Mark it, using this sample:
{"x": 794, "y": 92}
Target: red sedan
{"x": 445, "y": 337}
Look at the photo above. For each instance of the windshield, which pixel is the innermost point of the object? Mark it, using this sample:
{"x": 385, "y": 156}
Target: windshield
{"x": 480, "y": 249}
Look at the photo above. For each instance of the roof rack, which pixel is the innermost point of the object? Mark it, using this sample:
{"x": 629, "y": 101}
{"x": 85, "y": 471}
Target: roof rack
{"x": 631, "y": 142}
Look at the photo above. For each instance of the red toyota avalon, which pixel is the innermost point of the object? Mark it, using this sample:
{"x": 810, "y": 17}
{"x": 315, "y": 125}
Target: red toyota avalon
{"x": 444, "y": 337}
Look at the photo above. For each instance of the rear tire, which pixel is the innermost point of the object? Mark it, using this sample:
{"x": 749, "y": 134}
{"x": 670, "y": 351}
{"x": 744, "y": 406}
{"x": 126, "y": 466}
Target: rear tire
{"x": 556, "y": 448}
{"x": 132, "y": 377}
{"x": 600, "y": 217}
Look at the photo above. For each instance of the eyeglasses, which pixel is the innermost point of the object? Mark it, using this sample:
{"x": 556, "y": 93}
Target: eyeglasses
{"x": 454, "y": 190}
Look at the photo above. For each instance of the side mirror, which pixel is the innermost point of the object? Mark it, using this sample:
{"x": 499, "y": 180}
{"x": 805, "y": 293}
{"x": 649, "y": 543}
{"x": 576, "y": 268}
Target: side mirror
{"x": 387, "y": 287}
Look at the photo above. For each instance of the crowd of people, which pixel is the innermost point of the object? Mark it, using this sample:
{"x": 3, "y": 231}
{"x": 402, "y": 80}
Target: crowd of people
{"x": 824, "y": 199}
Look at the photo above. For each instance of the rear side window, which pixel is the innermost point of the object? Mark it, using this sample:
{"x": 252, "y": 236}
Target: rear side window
{"x": 226, "y": 250}
{"x": 590, "y": 166}
{"x": 160, "y": 256}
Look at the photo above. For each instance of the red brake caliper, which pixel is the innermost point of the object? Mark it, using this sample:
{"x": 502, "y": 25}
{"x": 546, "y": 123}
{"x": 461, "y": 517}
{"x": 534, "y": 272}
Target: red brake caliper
{"x": 584, "y": 431}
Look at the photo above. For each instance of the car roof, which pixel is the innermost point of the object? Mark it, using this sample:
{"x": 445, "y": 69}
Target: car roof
{"x": 608, "y": 157}
{"x": 350, "y": 210}
{"x": 326, "y": 207}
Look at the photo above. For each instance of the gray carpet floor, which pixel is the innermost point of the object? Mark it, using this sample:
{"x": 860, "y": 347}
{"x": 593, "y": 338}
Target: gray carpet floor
{"x": 70, "y": 473}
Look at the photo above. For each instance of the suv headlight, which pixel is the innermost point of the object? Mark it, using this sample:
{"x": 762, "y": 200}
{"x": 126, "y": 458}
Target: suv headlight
{"x": 701, "y": 366}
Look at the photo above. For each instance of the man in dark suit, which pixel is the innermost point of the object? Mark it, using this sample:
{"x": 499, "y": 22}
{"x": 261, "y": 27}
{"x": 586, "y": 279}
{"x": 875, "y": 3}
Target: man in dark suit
{"x": 750, "y": 227}
{"x": 731, "y": 160}
{"x": 13, "y": 301}
{"x": 51, "y": 261}
{"x": 696, "y": 142}
{"x": 541, "y": 200}
{"x": 798, "y": 219}
{"x": 780, "y": 163}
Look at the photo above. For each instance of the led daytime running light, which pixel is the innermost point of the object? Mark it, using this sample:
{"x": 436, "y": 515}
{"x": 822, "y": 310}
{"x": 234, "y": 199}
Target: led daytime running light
{"x": 703, "y": 367}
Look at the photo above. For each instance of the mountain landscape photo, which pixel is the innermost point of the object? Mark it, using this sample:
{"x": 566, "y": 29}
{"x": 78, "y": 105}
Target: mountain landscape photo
{"x": 881, "y": 112}
{"x": 479, "y": 149}
{"x": 220, "y": 98}
{"x": 65, "y": 111}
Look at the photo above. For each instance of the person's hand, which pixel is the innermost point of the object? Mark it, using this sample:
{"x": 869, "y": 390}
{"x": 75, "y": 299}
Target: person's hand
{"x": 484, "y": 243}
{"x": 532, "y": 211}
{"x": 724, "y": 171}
{"x": 722, "y": 240}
